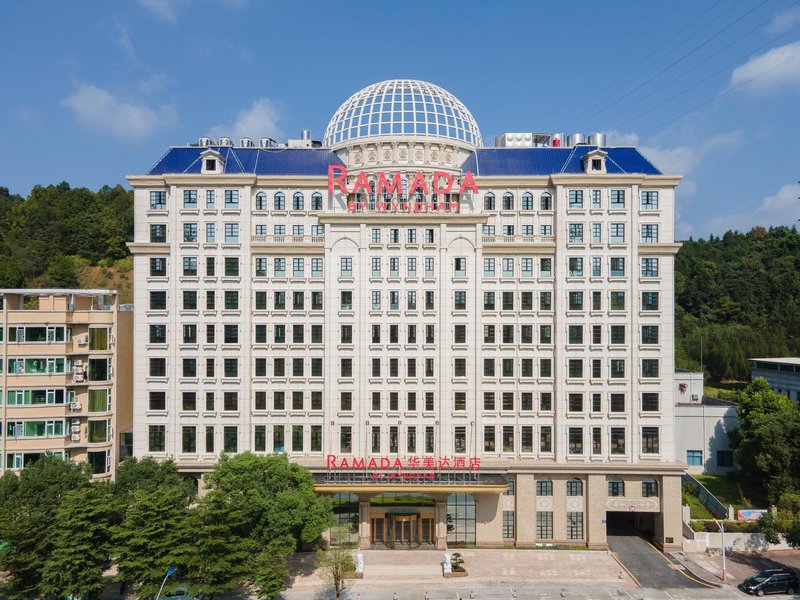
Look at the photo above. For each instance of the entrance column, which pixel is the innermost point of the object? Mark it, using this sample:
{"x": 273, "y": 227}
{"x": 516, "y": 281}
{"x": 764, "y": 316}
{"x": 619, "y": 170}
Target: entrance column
{"x": 364, "y": 523}
{"x": 440, "y": 540}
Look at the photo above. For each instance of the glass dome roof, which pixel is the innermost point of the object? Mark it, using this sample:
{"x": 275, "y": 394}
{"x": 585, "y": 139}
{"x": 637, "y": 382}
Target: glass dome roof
{"x": 402, "y": 107}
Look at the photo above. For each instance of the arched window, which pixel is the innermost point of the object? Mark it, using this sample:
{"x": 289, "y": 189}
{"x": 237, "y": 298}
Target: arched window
{"x": 316, "y": 201}
{"x": 546, "y": 201}
{"x": 488, "y": 201}
{"x": 544, "y": 486}
{"x": 280, "y": 201}
{"x": 649, "y": 488}
{"x": 527, "y": 201}
{"x": 261, "y": 201}
{"x": 508, "y": 201}
{"x": 460, "y": 519}
{"x": 616, "y": 487}
{"x": 574, "y": 487}
{"x": 298, "y": 201}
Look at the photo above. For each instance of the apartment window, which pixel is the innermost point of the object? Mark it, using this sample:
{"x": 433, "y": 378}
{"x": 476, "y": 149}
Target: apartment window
{"x": 617, "y": 368}
{"x": 575, "y": 334}
{"x": 459, "y": 334}
{"x": 230, "y": 401}
{"x": 460, "y": 267}
{"x": 546, "y": 267}
{"x": 575, "y": 440}
{"x": 346, "y": 267}
{"x": 650, "y": 441}
{"x": 260, "y": 438}
{"x": 649, "y": 267}
{"x": 649, "y": 334}
{"x": 230, "y": 438}
{"x": 597, "y": 334}
{"x": 597, "y": 441}
{"x": 210, "y": 367}
{"x": 261, "y": 201}
{"x": 526, "y": 267}
{"x": 596, "y": 268}
{"x": 376, "y": 300}
{"x": 488, "y": 300}
{"x": 575, "y": 402}
{"x": 618, "y": 334}
{"x": 279, "y": 266}
{"x": 544, "y": 525}
{"x": 546, "y": 439}
{"x": 617, "y": 403}
{"x": 649, "y": 234}
{"x": 189, "y": 439}
{"x": 545, "y": 367}
{"x": 575, "y": 525}
{"x": 298, "y": 201}
{"x": 189, "y": 334}
{"x": 459, "y": 440}
{"x": 508, "y": 334}
{"x": 376, "y": 267}
{"x": 346, "y": 300}
{"x": 526, "y": 301}
{"x": 508, "y": 401}
{"x": 232, "y": 233}
{"x": 597, "y": 300}
{"x": 394, "y": 300}
{"x": 575, "y": 233}
{"x": 158, "y": 234}
{"x": 158, "y": 367}
{"x": 190, "y": 232}
{"x": 488, "y": 438}
{"x": 346, "y": 367}
{"x": 617, "y": 265}
{"x": 316, "y": 301}
{"x": 575, "y": 199}
{"x": 617, "y": 199}
{"x": 724, "y": 457}
{"x": 460, "y": 367}
{"x": 231, "y": 198}
{"x": 488, "y": 202}
{"x": 488, "y": 367}
{"x": 508, "y": 300}
{"x": 158, "y": 267}
{"x": 546, "y": 230}
{"x": 488, "y": 334}
{"x": 649, "y": 488}
{"x": 231, "y": 300}
{"x": 190, "y": 199}
{"x": 298, "y": 267}
{"x": 649, "y": 200}
{"x": 232, "y": 266}
{"x": 190, "y": 266}
{"x": 650, "y": 401}
{"x": 231, "y": 367}
{"x": 616, "y": 488}
{"x": 209, "y": 438}
{"x": 544, "y": 486}
{"x": 649, "y": 367}
{"x": 575, "y": 300}
{"x": 508, "y": 438}
{"x": 649, "y": 300}
{"x": 617, "y": 440}
{"x": 617, "y": 235}
{"x": 158, "y": 400}
{"x": 694, "y": 458}
{"x": 158, "y": 334}
{"x": 545, "y": 334}
{"x": 261, "y": 268}
{"x": 279, "y": 201}
{"x": 157, "y": 438}
{"x": 508, "y": 201}
{"x": 508, "y": 524}
{"x": 617, "y": 301}
{"x": 508, "y": 267}
{"x": 459, "y": 300}
{"x": 575, "y": 267}
{"x": 158, "y": 200}
{"x": 596, "y": 368}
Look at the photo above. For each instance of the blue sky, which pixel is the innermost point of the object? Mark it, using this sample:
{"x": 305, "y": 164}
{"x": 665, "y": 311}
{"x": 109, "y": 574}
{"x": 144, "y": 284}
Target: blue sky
{"x": 93, "y": 91}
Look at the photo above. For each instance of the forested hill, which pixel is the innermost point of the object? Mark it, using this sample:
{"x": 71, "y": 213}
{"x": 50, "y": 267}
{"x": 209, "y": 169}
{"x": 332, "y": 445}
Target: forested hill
{"x": 64, "y": 237}
{"x": 739, "y": 293}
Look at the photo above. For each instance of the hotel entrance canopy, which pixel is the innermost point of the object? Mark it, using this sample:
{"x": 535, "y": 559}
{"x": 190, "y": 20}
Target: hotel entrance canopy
{"x": 441, "y": 482}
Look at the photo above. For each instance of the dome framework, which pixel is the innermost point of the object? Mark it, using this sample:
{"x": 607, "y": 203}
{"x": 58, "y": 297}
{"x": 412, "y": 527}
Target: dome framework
{"x": 401, "y": 108}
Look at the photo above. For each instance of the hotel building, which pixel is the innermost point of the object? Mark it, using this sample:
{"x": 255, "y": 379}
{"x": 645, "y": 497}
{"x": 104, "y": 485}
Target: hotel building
{"x": 465, "y": 344}
{"x": 65, "y": 377}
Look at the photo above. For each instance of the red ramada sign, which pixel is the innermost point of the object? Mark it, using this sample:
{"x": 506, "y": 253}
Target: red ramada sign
{"x": 415, "y": 463}
{"x": 442, "y": 184}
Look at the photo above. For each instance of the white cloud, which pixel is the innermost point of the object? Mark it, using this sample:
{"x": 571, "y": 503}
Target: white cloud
{"x": 769, "y": 72}
{"x": 99, "y": 109}
{"x": 164, "y": 9}
{"x": 621, "y": 138}
{"x": 782, "y": 208}
{"x": 784, "y": 21}
{"x": 152, "y": 84}
{"x": 125, "y": 42}
{"x": 260, "y": 120}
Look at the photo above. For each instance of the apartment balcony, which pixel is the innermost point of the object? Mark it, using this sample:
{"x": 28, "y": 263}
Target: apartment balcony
{"x": 311, "y": 243}
{"x": 518, "y": 242}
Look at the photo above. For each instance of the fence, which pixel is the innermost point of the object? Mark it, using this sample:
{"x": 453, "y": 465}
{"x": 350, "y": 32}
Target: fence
{"x": 709, "y": 500}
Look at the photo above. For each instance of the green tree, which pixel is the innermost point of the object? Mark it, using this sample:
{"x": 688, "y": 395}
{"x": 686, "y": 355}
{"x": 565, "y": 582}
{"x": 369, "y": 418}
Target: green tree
{"x": 223, "y": 553}
{"x": 156, "y": 533}
{"x": 82, "y": 543}
{"x": 334, "y": 564}
{"x": 766, "y": 441}
{"x": 28, "y": 522}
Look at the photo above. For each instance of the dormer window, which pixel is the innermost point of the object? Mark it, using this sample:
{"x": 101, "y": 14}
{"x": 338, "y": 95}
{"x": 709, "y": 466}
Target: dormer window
{"x": 211, "y": 162}
{"x": 595, "y": 162}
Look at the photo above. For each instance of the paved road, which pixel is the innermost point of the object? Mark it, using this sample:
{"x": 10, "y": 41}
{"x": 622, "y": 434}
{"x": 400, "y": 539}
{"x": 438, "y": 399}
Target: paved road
{"x": 648, "y": 565}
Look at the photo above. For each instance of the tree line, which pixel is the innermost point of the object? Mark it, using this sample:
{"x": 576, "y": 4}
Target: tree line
{"x": 737, "y": 296}
{"x": 59, "y": 530}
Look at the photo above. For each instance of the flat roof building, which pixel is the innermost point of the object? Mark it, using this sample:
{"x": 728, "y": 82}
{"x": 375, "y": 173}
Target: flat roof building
{"x": 65, "y": 377}
{"x": 466, "y": 345}
{"x": 782, "y": 374}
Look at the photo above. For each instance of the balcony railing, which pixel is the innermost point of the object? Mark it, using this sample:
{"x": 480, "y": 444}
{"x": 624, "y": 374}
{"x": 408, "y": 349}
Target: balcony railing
{"x": 288, "y": 239}
{"x": 518, "y": 239}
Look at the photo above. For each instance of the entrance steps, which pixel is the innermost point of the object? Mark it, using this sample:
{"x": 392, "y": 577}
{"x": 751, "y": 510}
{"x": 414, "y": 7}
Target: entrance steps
{"x": 397, "y": 564}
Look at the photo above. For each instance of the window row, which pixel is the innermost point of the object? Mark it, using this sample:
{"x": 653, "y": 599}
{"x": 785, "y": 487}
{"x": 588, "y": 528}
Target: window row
{"x": 615, "y": 233}
{"x": 577, "y": 444}
{"x": 189, "y": 443}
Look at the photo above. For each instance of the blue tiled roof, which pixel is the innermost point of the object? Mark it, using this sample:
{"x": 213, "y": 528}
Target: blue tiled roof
{"x": 255, "y": 161}
{"x": 547, "y": 161}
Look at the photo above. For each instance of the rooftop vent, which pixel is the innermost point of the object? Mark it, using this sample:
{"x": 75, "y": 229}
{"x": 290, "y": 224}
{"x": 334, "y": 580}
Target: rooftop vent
{"x": 305, "y": 134}
{"x": 266, "y": 142}
{"x": 246, "y": 142}
{"x": 225, "y": 141}
{"x": 205, "y": 142}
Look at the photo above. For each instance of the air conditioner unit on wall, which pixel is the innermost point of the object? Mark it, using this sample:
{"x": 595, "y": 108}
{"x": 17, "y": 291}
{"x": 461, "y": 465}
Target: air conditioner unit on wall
{"x": 83, "y": 340}
{"x": 75, "y": 405}
{"x": 695, "y": 397}
{"x": 76, "y": 437}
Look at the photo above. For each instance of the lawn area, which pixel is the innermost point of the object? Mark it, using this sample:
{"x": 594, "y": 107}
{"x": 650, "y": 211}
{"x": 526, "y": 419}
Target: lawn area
{"x": 696, "y": 508}
{"x": 725, "y": 489}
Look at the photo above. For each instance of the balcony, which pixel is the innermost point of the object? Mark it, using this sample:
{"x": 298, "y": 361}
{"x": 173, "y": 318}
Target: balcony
{"x": 288, "y": 239}
{"x": 519, "y": 239}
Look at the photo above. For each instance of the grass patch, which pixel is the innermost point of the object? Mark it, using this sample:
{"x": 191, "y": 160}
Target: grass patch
{"x": 696, "y": 508}
{"x": 726, "y": 489}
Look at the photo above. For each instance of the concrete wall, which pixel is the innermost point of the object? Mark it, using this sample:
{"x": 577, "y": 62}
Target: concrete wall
{"x": 704, "y": 427}
{"x": 742, "y": 542}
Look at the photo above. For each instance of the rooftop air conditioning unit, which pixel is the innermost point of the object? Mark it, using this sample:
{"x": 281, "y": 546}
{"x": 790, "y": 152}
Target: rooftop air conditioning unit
{"x": 76, "y": 437}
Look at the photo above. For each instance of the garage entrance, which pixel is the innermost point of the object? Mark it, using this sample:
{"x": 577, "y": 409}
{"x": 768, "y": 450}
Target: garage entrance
{"x": 626, "y": 523}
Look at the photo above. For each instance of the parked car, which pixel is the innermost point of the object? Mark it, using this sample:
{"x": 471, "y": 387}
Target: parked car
{"x": 772, "y": 581}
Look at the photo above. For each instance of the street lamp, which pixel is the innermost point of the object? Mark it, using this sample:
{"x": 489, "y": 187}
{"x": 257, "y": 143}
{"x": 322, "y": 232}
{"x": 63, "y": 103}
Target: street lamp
{"x": 170, "y": 571}
{"x": 721, "y": 526}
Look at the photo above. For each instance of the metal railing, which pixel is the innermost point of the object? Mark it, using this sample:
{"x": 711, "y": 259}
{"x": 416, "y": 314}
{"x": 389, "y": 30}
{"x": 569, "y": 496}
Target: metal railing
{"x": 289, "y": 239}
{"x": 709, "y": 500}
{"x": 518, "y": 239}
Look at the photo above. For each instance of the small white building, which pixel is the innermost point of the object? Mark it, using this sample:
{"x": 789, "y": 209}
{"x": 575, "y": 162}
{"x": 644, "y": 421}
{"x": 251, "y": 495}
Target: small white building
{"x": 702, "y": 424}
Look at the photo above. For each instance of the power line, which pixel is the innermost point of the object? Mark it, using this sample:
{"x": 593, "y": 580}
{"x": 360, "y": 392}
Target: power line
{"x": 675, "y": 62}
{"x": 693, "y": 67}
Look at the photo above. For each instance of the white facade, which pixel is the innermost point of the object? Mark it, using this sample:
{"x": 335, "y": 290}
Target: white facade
{"x": 498, "y": 331}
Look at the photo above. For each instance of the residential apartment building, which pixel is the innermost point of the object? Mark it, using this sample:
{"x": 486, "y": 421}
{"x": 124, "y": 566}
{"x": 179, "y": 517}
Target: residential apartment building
{"x": 466, "y": 345}
{"x": 65, "y": 377}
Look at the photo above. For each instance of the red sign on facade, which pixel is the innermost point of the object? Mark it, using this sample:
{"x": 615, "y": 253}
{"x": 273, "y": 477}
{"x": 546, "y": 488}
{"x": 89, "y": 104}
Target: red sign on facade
{"x": 409, "y": 463}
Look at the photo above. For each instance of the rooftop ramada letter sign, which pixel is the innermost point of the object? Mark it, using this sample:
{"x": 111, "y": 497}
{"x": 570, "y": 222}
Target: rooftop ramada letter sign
{"x": 338, "y": 463}
{"x": 337, "y": 177}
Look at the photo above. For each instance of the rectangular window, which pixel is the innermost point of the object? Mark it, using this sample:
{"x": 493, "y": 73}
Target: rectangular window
{"x": 617, "y": 301}
{"x": 459, "y": 300}
{"x": 649, "y": 300}
{"x": 189, "y": 439}
{"x": 230, "y": 439}
{"x": 231, "y": 266}
{"x": 190, "y": 199}
{"x": 617, "y": 440}
{"x": 231, "y": 198}
{"x": 649, "y": 334}
{"x": 617, "y": 233}
{"x": 649, "y": 234}
{"x": 617, "y": 266}
{"x": 158, "y": 234}
{"x": 508, "y": 524}
{"x": 575, "y": 440}
{"x": 158, "y": 200}
{"x": 546, "y": 439}
{"x": 260, "y": 438}
{"x": 575, "y": 525}
{"x": 597, "y": 440}
{"x": 158, "y": 401}
{"x": 156, "y": 438}
{"x": 650, "y": 443}
{"x": 545, "y": 367}
{"x": 617, "y": 403}
{"x": 649, "y": 367}
{"x": 278, "y": 438}
{"x": 158, "y": 267}
{"x": 596, "y": 266}
{"x": 596, "y": 199}
{"x": 617, "y": 199}
{"x": 544, "y": 525}
{"x": 575, "y": 402}
{"x": 346, "y": 267}
{"x": 508, "y": 267}
{"x": 232, "y": 233}
{"x": 190, "y": 232}
{"x": 618, "y": 334}
{"x": 649, "y": 267}
{"x": 575, "y": 232}
{"x": 575, "y": 267}
{"x": 649, "y": 401}
{"x": 508, "y": 438}
{"x": 575, "y": 300}
{"x": 649, "y": 200}
{"x": 298, "y": 267}
{"x": 546, "y": 267}
{"x": 575, "y": 198}
{"x": 617, "y": 368}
